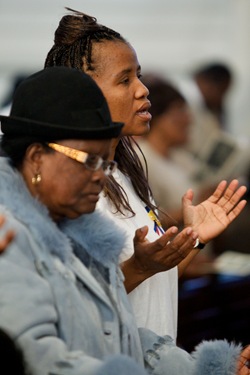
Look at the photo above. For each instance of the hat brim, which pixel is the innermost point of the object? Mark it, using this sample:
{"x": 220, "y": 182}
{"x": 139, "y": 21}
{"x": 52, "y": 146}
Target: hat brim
{"x": 15, "y": 126}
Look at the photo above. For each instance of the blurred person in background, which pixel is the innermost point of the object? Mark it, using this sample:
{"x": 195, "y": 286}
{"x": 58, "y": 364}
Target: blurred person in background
{"x": 214, "y": 81}
{"x": 169, "y": 130}
{"x": 206, "y": 90}
{"x": 169, "y": 179}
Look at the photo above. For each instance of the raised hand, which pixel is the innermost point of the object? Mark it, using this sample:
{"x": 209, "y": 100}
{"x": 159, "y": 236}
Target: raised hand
{"x": 5, "y": 241}
{"x": 161, "y": 255}
{"x": 211, "y": 217}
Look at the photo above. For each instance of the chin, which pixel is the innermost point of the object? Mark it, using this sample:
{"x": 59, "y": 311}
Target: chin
{"x": 85, "y": 211}
{"x": 89, "y": 209}
{"x": 140, "y": 131}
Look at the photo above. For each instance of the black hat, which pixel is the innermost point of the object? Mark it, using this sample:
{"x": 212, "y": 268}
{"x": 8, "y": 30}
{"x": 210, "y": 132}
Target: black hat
{"x": 60, "y": 103}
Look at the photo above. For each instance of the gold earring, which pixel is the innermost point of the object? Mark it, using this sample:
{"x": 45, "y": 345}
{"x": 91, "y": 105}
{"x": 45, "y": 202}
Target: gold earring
{"x": 36, "y": 179}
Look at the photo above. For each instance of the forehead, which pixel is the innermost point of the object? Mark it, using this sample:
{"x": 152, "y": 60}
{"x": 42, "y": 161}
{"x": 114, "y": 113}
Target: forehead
{"x": 112, "y": 57}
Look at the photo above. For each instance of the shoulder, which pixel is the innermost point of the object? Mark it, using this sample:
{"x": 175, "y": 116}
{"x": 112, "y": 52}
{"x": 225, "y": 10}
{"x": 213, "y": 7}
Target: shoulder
{"x": 21, "y": 250}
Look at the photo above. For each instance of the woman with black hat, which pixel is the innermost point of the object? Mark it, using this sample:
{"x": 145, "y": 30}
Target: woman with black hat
{"x": 62, "y": 298}
{"x": 57, "y": 141}
{"x": 82, "y": 43}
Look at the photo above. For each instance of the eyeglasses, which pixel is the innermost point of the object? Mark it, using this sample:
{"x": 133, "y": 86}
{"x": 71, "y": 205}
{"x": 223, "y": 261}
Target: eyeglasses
{"x": 91, "y": 161}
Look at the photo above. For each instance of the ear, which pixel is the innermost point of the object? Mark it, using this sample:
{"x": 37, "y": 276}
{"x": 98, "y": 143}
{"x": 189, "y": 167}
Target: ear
{"x": 34, "y": 156}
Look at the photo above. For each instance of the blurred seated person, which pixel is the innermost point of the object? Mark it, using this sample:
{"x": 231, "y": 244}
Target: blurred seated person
{"x": 206, "y": 92}
{"x": 214, "y": 81}
{"x": 169, "y": 175}
{"x": 169, "y": 129}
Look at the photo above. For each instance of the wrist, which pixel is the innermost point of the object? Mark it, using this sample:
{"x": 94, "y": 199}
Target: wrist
{"x": 133, "y": 273}
{"x": 199, "y": 245}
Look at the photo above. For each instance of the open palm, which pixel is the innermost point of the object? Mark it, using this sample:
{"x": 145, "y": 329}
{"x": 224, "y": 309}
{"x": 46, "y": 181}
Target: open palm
{"x": 211, "y": 217}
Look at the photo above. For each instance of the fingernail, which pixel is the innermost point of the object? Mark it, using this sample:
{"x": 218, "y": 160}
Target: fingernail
{"x": 174, "y": 229}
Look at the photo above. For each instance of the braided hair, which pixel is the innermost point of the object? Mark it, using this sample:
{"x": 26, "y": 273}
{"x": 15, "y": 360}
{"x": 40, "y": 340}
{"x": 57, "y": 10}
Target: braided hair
{"x": 73, "y": 43}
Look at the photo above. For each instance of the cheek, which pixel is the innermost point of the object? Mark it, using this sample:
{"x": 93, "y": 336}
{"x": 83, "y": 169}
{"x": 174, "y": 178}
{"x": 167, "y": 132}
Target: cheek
{"x": 63, "y": 185}
{"x": 117, "y": 109}
{"x": 71, "y": 199}
{"x": 74, "y": 187}
{"x": 119, "y": 106}
{"x": 181, "y": 134}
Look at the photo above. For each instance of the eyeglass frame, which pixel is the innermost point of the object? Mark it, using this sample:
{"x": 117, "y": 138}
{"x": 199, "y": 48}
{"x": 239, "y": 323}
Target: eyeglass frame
{"x": 108, "y": 166}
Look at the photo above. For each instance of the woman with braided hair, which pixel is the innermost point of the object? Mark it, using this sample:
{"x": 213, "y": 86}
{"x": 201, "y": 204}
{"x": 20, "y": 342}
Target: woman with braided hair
{"x": 150, "y": 256}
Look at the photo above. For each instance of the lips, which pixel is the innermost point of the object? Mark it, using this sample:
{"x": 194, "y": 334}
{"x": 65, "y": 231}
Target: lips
{"x": 145, "y": 107}
{"x": 143, "y": 112}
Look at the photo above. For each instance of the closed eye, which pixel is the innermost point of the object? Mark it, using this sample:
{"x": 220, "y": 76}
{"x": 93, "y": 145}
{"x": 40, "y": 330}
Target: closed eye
{"x": 125, "y": 81}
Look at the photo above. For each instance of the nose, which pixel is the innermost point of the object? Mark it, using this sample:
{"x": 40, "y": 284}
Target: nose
{"x": 141, "y": 90}
{"x": 99, "y": 176}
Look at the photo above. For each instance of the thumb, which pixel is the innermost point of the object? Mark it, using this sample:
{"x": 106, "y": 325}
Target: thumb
{"x": 187, "y": 198}
{"x": 140, "y": 234}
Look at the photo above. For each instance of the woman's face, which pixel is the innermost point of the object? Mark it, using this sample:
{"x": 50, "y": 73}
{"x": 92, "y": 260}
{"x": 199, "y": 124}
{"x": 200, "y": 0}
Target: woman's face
{"x": 117, "y": 72}
{"x": 67, "y": 187}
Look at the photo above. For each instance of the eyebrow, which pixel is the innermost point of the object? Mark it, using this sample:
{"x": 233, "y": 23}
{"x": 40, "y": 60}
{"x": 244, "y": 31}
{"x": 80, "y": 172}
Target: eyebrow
{"x": 127, "y": 71}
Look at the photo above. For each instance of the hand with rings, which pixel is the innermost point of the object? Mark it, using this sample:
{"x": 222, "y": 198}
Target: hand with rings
{"x": 7, "y": 238}
{"x": 211, "y": 217}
